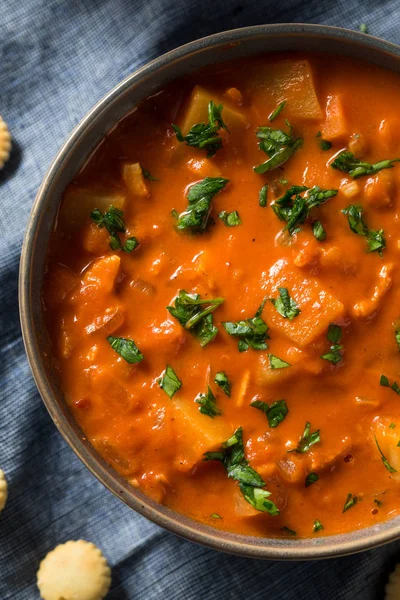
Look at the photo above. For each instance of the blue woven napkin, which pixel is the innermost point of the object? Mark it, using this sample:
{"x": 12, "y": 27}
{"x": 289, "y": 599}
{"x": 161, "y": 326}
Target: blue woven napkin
{"x": 57, "y": 58}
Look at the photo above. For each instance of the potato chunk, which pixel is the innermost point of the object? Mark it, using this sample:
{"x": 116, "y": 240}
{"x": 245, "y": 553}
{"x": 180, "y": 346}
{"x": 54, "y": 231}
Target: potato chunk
{"x": 335, "y": 126}
{"x": 195, "y": 433}
{"x": 318, "y": 307}
{"x": 197, "y": 111}
{"x": 134, "y": 180}
{"x": 291, "y": 81}
{"x": 80, "y": 201}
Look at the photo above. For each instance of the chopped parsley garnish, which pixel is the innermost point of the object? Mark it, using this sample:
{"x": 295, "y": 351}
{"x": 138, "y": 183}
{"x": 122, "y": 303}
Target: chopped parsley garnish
{"x": 317, "y": 526}
{"x": 277, "y": 111}
{"x": 384, "y": 381}
{"x": 250, "y": 482}
{"x": 318, "y": 231}
{"x": 375, "y": 238}
{"x": 378, "y": 503}
{"x": 392, "y": 425}
{"x": 205, "y": 135}
{"x": 215, "y": 516}
{"x": 334, "y": 335}
{"x": 130, "y": 244}
{"x": 277, "y": 363}
{"x": 113, "y": 221}
{"x": 208, "y": 404}
{"x": 325, "y": 145}
{"x": 275, "y": 413}
{"x": 147, "y": 174}
{"x": 262, "y": 196}
{"x": 200, "y": 197}
{"x": 350, "y": 501}
{"x": 287, "y": 531}
{"x": 307, "y": 440}
{"x": 278, "y": 145}
{"x": 397, "y": 336}
{"x": 170, "y": 382}
{"x": 230, "y": 219}
{"x": 348, "y": 163}
{"x": 125, "y": 348}
{"x": 195, "y": 315}
{"x": 384, "y": 459}
{"x": 251, "y": 332}
{"x": 363, "y": 28}
{"x": 294, "y": 208}
{"x": 285, "y": 305}
{"x": 311, "y": 478}
{"x": 221, "y": 379}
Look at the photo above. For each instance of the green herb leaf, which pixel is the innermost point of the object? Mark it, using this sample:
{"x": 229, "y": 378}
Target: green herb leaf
{"x": 278, "y": 145}
{"x": 277, "y": 111}
{"x": 200, "y": 197}
{"x": 125, "y": 348}
{"x": 325, "y": 145}
{"x": 392, "y": 425}
{"x": 397, "y": 336}
{"x": 384, "y": 381}
{"x": 147, "y": 174}
{"x": 230, "y": 219}
{"x": 294, "y": 208}
{"x": 363, "y": 28}
{"x": 277, "y": 363}
{"x": 285, "y": 305}
{"x": 318, "y": 231}
{"x": 384, "y": 459}
{"x": 378, "y": 503}
{"x": 275, "y": 413}
{"x": 350, "y": 501}
{"x": 311, "y": 478}
{"x": 287, "y": 531}
{"x": 317, "y": 526}
{"x": 375, "y": 238}
{"x": 307, "y": 440}
{"x": 262, "y": 196}
{"x": 195, "y": 315}
{"x": 208, "y": 404}
{"x": 221, "y": 379}
{"x": 232, "y": 457}
{"x": 348, "y": 163}
{"x": 334, "y": 335}
{"x": 170, "y": 382}
{"x": 250, "y": 332}
{"x": 113, "y": 221}
{"x": 215, "y": 516}
{"x": 205, "y": 135}
{"x": 130, "y": 244}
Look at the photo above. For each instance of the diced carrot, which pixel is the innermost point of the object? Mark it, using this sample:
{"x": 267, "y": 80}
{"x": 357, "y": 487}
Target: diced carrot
{"x": 134, "y": 180}
{"x": 335, "y": 126}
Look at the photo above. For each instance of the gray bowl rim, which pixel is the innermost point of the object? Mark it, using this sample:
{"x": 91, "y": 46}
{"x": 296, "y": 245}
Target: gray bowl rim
{"x": 182, "y": 525}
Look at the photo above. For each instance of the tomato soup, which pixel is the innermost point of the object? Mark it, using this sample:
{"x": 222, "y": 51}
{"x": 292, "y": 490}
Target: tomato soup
{"x": 223, "y": 298}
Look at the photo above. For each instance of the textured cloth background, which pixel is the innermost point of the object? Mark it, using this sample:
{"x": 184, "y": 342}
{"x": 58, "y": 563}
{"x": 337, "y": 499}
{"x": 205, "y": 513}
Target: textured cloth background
{"x": 57, "y": 58}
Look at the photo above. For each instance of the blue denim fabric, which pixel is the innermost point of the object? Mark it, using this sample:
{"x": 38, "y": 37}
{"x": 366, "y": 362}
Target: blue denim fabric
{"x": 57, "y": 58}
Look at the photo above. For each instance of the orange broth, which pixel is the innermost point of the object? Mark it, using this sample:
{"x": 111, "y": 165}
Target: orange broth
{"x": 92, "y": 292}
